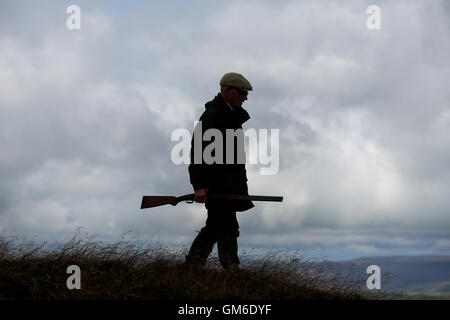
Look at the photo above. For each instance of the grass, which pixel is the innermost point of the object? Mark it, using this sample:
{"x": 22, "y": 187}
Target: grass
{"x": 133, "y": 270}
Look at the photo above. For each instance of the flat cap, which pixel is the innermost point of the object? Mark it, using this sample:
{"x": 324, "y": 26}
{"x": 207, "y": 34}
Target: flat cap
{"x": 236, "y": 80}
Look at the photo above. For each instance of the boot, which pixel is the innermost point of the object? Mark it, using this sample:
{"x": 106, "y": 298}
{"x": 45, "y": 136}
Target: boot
{"x": 227, "y": 248}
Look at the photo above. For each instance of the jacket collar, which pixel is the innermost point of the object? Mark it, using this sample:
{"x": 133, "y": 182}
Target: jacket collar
{"x": 239, "y": 113}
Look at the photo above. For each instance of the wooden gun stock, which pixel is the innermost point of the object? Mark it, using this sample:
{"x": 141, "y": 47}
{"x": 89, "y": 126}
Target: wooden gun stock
{"x": 156, "y": 201}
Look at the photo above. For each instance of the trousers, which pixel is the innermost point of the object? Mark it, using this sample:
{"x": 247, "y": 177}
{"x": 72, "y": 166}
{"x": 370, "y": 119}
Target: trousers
{"x": 221, "y": 227}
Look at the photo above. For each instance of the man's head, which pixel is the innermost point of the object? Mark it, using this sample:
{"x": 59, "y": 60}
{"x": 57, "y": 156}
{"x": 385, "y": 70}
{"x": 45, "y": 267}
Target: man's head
{"x": 234, "y": 88}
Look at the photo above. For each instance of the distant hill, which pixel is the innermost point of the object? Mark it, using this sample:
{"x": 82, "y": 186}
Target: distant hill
{"x": 424, "y": 274}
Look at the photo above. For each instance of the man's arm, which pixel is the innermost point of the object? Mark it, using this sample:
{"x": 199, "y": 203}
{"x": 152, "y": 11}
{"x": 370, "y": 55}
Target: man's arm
{"x": 200, "y": 173}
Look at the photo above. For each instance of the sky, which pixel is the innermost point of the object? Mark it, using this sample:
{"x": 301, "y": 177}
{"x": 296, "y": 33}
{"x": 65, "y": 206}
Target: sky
{"x": 86, "y": 118}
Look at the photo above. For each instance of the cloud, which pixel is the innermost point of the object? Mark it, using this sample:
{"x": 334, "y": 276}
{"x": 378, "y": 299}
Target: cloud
{"x": 86, "y": 116}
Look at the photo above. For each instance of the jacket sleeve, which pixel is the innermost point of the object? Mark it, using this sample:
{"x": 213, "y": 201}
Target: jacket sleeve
{"x": 200, "y": 173}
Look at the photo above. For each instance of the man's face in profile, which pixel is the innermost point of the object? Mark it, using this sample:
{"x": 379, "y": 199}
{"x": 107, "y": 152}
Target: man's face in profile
{"x": 235, "y": 97}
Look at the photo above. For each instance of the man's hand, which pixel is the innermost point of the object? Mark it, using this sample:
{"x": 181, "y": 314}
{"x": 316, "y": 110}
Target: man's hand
{"x": 200, "y": 195}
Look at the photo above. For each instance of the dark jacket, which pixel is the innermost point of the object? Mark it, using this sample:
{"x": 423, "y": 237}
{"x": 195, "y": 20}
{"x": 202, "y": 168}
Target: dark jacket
{"x": 221, "y": 177}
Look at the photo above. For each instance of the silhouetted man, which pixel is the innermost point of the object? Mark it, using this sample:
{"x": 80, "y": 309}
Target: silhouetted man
{"x": 226, "y": 174}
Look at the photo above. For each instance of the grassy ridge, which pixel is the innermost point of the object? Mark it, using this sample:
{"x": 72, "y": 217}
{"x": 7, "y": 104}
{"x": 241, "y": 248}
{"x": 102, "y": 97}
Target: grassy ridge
{"x": 129, "y": 269}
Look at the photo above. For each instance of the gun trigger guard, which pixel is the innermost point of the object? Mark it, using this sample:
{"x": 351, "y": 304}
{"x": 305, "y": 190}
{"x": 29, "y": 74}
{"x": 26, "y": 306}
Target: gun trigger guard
{"x": 189, "y": 201}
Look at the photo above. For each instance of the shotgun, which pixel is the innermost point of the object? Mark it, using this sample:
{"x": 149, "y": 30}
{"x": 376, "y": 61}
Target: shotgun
{"x": 155, "y": 201}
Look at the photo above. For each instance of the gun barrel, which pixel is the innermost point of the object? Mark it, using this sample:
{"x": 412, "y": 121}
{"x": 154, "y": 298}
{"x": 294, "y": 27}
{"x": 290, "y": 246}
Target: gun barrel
{"x": 250, "y": 197}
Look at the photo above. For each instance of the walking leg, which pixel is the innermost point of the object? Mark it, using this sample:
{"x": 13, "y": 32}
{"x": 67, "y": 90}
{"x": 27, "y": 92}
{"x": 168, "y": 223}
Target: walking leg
{"x": 227, "y": 248}
{"x": 201, "y": 247}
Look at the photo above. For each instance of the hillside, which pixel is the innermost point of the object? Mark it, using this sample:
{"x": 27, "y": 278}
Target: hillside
{"x": 131, "y": 270}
